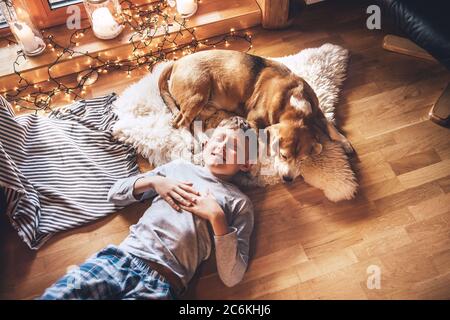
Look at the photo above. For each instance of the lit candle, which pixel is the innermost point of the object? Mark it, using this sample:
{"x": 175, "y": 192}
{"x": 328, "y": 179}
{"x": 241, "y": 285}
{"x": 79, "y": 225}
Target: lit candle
{"x": 186, "y": 7}
{"x": 27, "y": 37}
{"x": 104, "y": 25}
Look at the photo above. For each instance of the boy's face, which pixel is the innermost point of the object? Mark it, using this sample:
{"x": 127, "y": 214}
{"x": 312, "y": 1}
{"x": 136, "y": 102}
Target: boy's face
{"x": 226, "y": 153}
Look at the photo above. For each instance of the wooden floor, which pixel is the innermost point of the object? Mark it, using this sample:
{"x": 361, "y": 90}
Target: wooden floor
{"x": 304, "y": 246}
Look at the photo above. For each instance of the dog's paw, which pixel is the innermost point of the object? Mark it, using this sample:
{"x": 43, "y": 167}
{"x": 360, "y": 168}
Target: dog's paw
{"x": 174, "y": 122}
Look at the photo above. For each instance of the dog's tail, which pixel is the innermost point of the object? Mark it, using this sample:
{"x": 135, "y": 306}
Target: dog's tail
{"x": 164, "y": 88}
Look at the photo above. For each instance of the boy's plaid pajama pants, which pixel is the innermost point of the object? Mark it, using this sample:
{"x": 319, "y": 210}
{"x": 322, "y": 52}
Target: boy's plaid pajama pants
{"x": 110, "y": 274}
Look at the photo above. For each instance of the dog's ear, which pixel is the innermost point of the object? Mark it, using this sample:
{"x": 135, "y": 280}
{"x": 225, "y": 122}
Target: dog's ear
{"x": 316, "y": 148}
{"x": 311, "y": 96}
{"x": 272, "y": 139}
{"x": 318, "y": 120}
{"x": 301, "y": 105}
{"x": 299, "y": 101}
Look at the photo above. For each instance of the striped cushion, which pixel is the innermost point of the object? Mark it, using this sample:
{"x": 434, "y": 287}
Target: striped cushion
{"x": 56, "y": 171}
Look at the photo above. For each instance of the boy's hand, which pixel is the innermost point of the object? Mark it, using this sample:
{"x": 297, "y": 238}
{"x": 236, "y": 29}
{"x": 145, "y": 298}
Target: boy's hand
{"x": 206, "y": 207}
{"x": 175, "y": 192}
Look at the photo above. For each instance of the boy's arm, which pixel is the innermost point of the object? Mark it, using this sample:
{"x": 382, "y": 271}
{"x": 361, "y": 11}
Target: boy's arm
{"x": 232, "y": 242}
{"x": 123, "y": 191}
{"x": 232, "y": 249}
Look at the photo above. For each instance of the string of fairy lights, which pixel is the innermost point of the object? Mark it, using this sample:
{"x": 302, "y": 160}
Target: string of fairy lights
{"x": 156, "y": 36}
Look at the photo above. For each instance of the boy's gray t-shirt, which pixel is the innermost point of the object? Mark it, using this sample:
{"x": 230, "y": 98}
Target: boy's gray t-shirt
{"x": 181, "y": 240}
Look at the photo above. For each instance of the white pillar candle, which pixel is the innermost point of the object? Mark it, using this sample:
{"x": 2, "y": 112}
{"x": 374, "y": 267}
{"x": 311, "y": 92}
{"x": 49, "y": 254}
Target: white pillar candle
{"x": 186, "y": 7}
{"x": 104, "y": 25}
{"x": 26, "y": 36}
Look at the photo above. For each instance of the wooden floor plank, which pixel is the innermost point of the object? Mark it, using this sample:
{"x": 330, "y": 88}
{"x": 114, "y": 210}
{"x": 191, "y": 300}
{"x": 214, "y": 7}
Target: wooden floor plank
{"x": 415, "y": 161}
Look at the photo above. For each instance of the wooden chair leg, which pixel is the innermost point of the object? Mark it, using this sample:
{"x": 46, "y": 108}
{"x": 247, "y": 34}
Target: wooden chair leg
{"x": 405, "y": 46}
{"x": 440, "y": 112}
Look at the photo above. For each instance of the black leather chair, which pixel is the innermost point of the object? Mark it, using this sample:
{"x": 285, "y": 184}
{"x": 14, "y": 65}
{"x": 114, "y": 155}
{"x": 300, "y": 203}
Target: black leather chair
{"x": 427, "y": 24}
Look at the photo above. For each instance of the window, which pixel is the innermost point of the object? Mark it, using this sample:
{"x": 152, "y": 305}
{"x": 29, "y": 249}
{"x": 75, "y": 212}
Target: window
{"x": 46, "y": 13}
{"x": 4, "y": 29}
{"x": 56, "y": 4}
{"x": 3, "y": 23}
{"x": 49, "y": 13}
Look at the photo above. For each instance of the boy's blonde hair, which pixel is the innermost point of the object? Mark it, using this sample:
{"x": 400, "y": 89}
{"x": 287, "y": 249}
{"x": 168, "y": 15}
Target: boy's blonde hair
{"x": 235, "y": 123}
{"x": 240, "y": 123}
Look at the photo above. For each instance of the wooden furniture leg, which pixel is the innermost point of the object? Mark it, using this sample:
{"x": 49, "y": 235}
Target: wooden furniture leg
{"x": 275, "y": 13}
{"x": 405, "y": 46}
{"x": 440, "y": 112}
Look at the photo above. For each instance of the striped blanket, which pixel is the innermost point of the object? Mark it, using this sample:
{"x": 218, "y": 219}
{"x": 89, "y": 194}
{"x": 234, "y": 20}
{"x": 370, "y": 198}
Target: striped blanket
{"x": 56, "y": 171}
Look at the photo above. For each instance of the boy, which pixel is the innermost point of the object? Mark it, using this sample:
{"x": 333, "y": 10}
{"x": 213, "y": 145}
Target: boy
{"x": 163, "y": 250}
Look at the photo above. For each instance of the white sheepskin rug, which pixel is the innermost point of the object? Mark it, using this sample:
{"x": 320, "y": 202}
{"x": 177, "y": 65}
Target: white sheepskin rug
{"x": 144, "y": 122}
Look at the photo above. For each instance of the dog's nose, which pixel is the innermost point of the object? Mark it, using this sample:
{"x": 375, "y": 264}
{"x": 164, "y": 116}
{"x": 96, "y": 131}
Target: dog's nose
{"x": 287, "y": 179}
